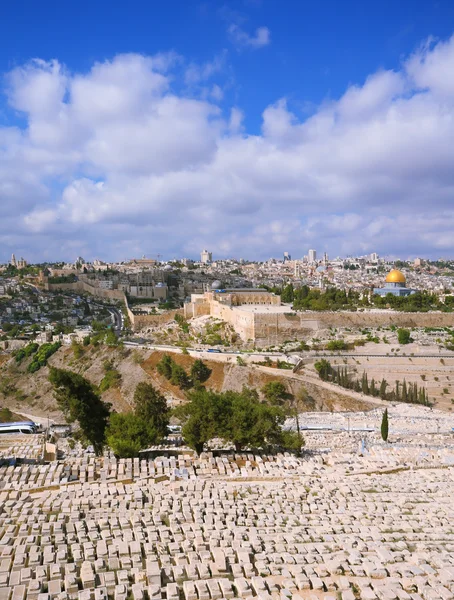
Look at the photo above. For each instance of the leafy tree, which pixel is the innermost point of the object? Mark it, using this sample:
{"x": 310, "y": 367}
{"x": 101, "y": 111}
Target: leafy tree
{"x": 237, "y": 417}
{"x": 275, "y": 392}
{"x": 255, "y": 424}
{"x": 200, "y": 416}
{"x": 151, "y": 408}
{"x": 79, "y": 401}
{"x": 287, "y": 293}
{"x": 384, "y": 426}
{"x": 127, "y": 434}
{"x": 179, "y": 377}
{"x": 403, "y": 336}
{"x": 200, "y": 372}
{"x": 323, "y": 368}
{"x": 164, "y": 366}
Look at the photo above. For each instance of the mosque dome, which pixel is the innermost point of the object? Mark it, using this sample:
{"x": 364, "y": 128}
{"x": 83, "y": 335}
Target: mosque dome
{"x": 216, "y": 285}
{"x": 395, "y": 276}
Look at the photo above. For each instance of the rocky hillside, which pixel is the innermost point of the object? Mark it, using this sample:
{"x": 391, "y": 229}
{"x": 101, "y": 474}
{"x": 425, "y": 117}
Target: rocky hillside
{"x": 118, "y": 371}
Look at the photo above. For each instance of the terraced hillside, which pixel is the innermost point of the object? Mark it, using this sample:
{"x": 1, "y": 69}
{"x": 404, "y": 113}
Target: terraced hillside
{"x": 434, "y": 373}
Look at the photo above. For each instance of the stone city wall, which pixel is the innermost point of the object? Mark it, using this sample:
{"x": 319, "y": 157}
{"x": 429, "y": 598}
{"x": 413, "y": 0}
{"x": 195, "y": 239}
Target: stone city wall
{"x": 82, "y": 286}
{"x": 271, "y": 329}
{"x": 139, "y": 322}
{"x": 380, "y": 319}
{"x": 241, "y": 321}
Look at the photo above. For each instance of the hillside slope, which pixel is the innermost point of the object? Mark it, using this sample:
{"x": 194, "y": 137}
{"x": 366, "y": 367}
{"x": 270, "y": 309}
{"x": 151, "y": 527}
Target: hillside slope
{"x": 32, "y": 393}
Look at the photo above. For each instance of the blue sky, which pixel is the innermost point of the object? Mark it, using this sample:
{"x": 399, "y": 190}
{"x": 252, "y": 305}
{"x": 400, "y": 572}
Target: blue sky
{"x": 247, "y": 78}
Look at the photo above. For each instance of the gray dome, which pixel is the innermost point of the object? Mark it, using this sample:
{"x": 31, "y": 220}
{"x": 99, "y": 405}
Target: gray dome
{"x": 321, "y": 269}
{"x": 216, "y": 285}
{"x": 168, "y": 268}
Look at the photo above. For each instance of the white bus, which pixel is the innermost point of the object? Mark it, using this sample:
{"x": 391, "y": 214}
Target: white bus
{"x": 18, "y": 427}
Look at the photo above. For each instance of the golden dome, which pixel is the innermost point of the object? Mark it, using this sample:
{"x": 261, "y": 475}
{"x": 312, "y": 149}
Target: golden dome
{"x": 395, "y": 276}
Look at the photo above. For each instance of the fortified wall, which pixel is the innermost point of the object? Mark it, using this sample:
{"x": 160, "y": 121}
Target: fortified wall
{"x": 272, "y": 329}
{"x": 138, "y": 321}
{"x": 82, "y": 286}
{"x": 258, "y": 316}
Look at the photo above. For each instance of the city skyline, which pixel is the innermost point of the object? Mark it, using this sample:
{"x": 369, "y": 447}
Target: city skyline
{"x": 230, "y": 131}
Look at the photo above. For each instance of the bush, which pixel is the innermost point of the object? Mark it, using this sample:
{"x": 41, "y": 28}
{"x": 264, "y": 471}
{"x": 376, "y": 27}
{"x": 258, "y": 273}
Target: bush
{"x": 336, "y": 345}
{"x": 403, "y": 336}
{"x": 42, "y": 355}
{"x": 111, "y": 379}
{"x": 26, "y": 352}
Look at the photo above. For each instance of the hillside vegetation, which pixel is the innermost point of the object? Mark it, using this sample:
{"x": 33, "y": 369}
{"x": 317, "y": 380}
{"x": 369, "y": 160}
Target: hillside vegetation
{"x": 117, "y": 371}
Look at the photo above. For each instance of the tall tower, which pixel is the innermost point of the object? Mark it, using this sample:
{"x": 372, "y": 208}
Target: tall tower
{"x": 13, "y": 261}
{"x": 206, "y": 257}
{"x": 312, "y": 256}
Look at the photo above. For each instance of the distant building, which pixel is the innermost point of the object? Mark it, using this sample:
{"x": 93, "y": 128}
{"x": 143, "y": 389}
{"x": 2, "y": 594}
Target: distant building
{"x": 373, "y": 257}
{"x": 287, "y": 257}
{"x": 206, "y": 257}
{"x": 312, "y": 256}
{"x": 19, "y": 264}
{"x": 396, "y": 284}
{"x": 325, "y": 258}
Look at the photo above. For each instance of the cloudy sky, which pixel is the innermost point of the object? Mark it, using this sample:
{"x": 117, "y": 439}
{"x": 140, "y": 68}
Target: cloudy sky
{"x": 250, "y": 128}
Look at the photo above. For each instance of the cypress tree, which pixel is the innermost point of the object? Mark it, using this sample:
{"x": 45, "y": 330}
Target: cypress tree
{"x": 384, "y": 426}
{"x": 404, "y": 392}
{"x": 373, "y": 389}
{"x": 365, "y": 384}
{"x": 383, "y": 386}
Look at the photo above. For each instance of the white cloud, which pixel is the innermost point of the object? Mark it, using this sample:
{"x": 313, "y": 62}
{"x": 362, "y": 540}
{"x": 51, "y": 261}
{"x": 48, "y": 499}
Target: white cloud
{"x": 117, "y": 159}
{"x": 242, "y": 39}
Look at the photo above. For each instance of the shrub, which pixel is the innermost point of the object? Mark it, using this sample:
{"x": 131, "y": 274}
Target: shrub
{"x": 403, "y": 336}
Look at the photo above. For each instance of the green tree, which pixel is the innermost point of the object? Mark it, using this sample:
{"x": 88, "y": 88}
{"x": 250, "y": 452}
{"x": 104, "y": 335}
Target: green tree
{"x": 151, "y": 409}
{"x": 179, "y": 377}
{"x": 403, "y": 336}
{"x": 383, "y": 386}
{"x": 324, "y": 369}
{"x": 200, "y": 372}
{"x": 111, "y": 338}
{"x": 79, "y": 401}
{"x": 384, "y": 426}
{"x": 200, "y": 417}
{"x": 287, "y": 293}
{"x": 275, "y": 392}
{"x": 248, "y": 422}
{"x": 164, "y": 366}
{"x": 127, "y": 434}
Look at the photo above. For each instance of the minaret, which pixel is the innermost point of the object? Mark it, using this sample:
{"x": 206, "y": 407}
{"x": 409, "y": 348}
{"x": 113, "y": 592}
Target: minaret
{"x": 13, "y": 261}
